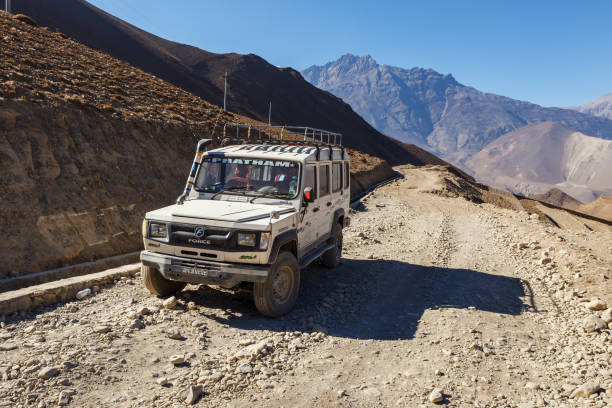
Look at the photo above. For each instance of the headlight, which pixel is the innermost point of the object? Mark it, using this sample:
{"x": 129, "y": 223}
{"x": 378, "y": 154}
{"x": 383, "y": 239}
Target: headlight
{"x": 246, "y": 239}
{"x": 158, "y": 230}
{"x": 264, "y": 240}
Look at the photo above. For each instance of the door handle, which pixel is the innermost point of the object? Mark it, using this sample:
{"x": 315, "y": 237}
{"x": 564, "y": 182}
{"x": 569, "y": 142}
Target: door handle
{"x": 328, "y": 204}
{"x": 315, "y": 209}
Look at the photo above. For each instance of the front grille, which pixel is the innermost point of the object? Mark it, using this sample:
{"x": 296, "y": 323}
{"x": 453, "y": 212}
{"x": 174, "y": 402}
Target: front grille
{"x": 210, "y": 238}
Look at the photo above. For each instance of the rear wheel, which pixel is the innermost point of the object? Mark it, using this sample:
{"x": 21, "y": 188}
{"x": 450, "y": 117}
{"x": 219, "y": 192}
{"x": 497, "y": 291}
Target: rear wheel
{"x": 157, "y": 284}
{"x": 277, "y": 295}
{"x": 333, "y": 257}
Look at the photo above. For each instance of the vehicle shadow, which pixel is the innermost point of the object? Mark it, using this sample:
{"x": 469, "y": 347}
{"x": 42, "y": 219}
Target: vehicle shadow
{"x": 373, "y": 299}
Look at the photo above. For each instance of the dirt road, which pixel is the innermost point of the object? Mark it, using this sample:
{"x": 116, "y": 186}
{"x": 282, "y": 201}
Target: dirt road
{"x": 438, "y": 299}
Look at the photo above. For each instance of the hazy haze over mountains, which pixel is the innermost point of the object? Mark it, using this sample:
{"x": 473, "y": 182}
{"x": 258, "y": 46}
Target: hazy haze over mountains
{"x": 434, "y": 111}
{"x": 536, "y": 158}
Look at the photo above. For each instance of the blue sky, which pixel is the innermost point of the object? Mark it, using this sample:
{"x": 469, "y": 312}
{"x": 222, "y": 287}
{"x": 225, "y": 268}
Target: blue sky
{"x": 553, "y": 53}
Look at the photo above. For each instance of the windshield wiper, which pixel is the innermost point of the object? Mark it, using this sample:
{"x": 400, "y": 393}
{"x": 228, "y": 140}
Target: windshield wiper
{"x": 232, "y": 188}
{"x": 268, "y": 195}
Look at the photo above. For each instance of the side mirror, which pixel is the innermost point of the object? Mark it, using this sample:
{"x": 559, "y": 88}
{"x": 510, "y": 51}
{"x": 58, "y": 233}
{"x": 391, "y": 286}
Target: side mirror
{"x": 308, "y": 195}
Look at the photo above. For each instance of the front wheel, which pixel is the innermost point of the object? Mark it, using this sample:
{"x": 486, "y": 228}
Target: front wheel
{"x": 333, "y": 257}
{"x": 277, "y": 295}
{"x": 157, "y": 284}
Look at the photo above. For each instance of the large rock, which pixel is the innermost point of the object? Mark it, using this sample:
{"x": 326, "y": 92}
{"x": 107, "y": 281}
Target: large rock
{"x": 436, "y": 396}
{"x": 48, "y": 372}
{"x": 585, "y": 390}
{"x": 7, "y": 346}
{"x": 606, "y": 316}
{"x": 173, "y": 333}
{"x": 191, "y": 394}
{"x": 596, "y": 304}
{"x": 593, "y": 323}
{"x": 82, "y": 294}
{"x": 64, "y": 398}
{"x": 170, "y": 303}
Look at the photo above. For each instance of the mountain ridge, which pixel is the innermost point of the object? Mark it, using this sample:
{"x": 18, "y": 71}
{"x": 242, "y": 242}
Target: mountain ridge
{"x": 433, "y": 110}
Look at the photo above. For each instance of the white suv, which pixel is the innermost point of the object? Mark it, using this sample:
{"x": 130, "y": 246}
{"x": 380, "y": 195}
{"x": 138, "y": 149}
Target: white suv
{"x": 252, "y": 212}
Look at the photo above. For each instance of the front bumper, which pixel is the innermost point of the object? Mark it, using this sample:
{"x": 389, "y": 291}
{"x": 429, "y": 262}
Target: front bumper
{"x": 201, "y": 271}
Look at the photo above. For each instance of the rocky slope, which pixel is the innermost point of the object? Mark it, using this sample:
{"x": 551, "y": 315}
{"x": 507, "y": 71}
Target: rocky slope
{"x": 558, "y": 198}
{"x": 536, "y": 158}
{"x": 601, "y": 207}
{"x": 601, "y": 106}
{"x": 253, "y": 82}
{"x": 88, "y": 144}
{"x": 411, "y": 318}
{"x": 434, "y": 111}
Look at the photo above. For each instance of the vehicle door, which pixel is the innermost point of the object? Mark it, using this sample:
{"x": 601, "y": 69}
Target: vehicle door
{"x": 307, "y": 228}
{"x": 337, "y": 192}
{"x": 324, "y": 203}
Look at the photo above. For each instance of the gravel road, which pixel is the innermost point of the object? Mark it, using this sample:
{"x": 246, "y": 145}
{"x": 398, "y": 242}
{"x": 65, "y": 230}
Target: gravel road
{"x": 438, "y": 301}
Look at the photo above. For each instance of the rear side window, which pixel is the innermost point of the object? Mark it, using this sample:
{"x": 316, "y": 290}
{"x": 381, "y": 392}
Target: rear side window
{"x": 346, "y": 175}
{"x": 323, "y": 180}
{"x": 309, "y": 178}
{"x": 336, "y": 177}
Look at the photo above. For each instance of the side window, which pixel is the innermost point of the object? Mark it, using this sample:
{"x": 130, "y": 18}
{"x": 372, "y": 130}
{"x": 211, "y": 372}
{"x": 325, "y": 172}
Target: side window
{"x": 347, "y": 180}
{"x": 323, "y": 180}
{"x": 309, "y": 178}
{"x": 336, "y": 177}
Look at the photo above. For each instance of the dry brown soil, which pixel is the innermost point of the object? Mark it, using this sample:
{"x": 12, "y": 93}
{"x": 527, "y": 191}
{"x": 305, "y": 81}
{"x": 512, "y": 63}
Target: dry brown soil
{"x": 434, "y": 292}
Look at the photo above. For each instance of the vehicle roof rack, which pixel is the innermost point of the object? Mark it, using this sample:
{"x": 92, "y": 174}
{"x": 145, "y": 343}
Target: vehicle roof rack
{"x": 272, "y": 134}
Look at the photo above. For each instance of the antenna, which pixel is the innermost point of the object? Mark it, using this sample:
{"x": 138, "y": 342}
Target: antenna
{"x": 224, "y": 90}
{"x": 270, "y": 114}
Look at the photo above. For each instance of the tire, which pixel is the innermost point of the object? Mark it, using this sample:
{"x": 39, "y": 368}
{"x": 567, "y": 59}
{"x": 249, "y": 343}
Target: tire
{"x": 157, "y": 284}
{"x": 277, "y": 295}
{"x": 333, "y": 257}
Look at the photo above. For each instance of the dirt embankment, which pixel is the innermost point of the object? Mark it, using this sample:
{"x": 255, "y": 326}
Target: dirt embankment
{"x": 88, "y": 144}
{"x": 75, "y": 183}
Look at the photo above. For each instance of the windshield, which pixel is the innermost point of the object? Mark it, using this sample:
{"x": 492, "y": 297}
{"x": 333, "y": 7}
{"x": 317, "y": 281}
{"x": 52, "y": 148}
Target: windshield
{"x": 278, "y": 178}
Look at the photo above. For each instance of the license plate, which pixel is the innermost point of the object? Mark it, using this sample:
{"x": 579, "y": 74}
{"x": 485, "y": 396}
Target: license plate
{"x": 196, "y": 271}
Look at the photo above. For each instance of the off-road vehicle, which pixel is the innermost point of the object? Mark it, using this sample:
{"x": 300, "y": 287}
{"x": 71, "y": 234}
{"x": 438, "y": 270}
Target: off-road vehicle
{"x": 254, "y": 212}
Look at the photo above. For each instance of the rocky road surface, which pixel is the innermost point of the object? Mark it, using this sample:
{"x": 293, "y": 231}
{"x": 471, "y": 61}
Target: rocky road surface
{"x": 438, "y": 301}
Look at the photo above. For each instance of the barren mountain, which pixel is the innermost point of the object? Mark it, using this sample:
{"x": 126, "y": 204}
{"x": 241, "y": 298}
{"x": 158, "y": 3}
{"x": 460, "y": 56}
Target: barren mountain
{"x": 536, "y": 158}
{"x": 601, "y": 106}
{"x": 558, "y": 198}
{"x": 88, "y": 144}
{"x": 434, "y": 111}
{"x": 601, "y": 207}
{"x": 253, "y": 82}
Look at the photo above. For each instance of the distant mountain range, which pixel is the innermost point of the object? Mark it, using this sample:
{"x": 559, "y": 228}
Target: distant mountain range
{"x": 433, "y": 110}
{"x": 558, "y": 198}
{"x": 601, "y": 106}
{"x": 535, "y": 158}
{"x": 253, "y": 82}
